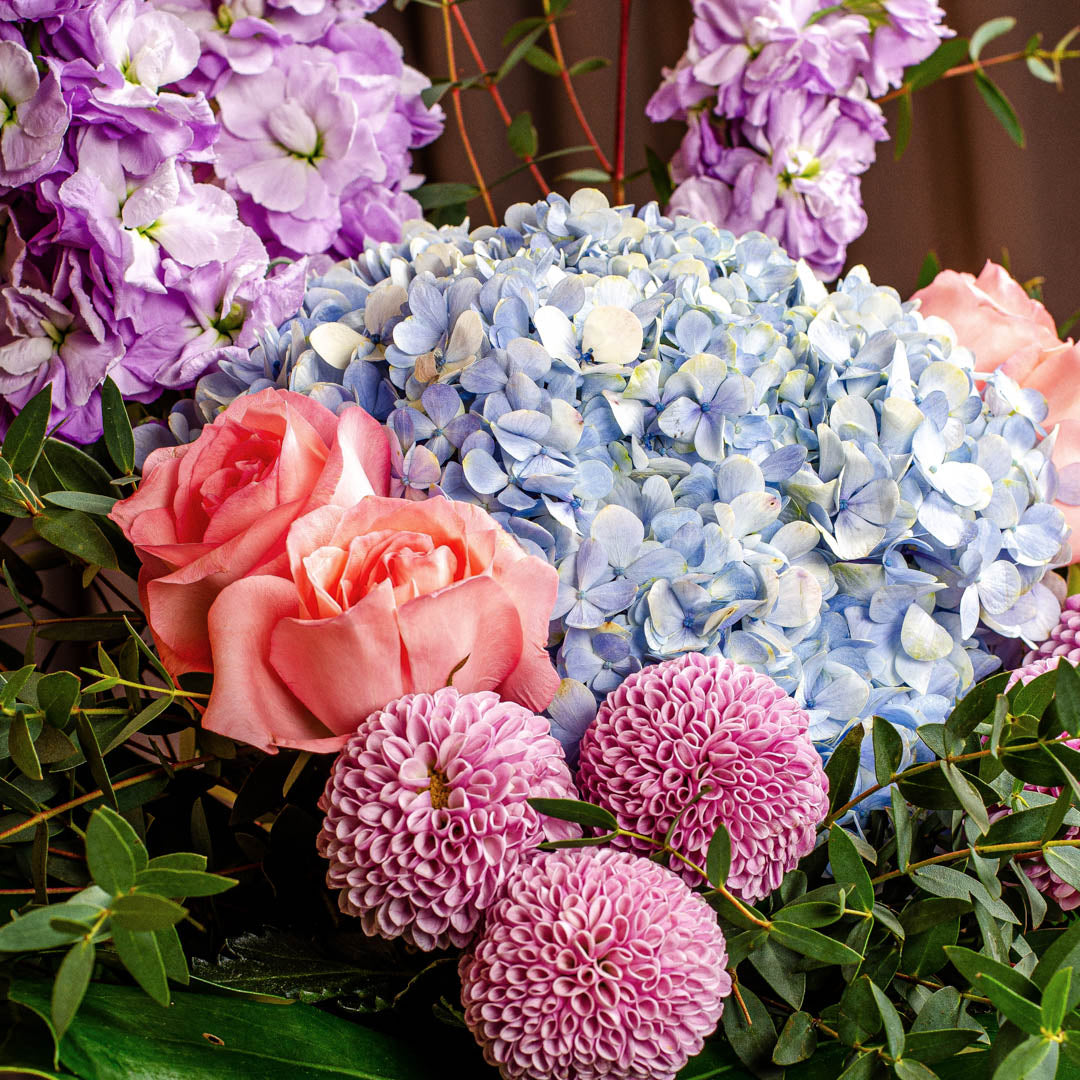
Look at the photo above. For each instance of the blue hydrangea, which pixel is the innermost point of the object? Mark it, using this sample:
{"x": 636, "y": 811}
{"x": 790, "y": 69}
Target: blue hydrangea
{"x": 717, "y": 453}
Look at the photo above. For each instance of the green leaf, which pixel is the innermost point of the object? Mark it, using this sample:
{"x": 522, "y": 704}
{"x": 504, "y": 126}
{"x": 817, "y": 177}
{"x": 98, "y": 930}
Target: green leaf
{"x": 901, "y": 818}
{"x": 89, "y": 745}
{"x": 57, "y": 694}
{"x": 1000, "y": 106}
{"x": 70, "y": 986}
{"x": 913, "y": 1070}
{"x": 182, "y": 883}
{"x": 905, "y": 116}
{"x": 521, "y": 135}
{"x": 432, "y": 196}
{"x": 119, "y": 440}
{"x": 542, "y": 60}
{"x": 859, "y": 1017}
{"x": 1067, "y": 696}
{"x": 848, "y": 866}
{"x": 144, "y": 911}
{"x": 172, "y": 954}
{"x": 75, "y": 469}
{"x": 1029, "y": 1060}
{"x": 1063, "y": 952}
{"x": 718, "y": 857}
{"x": 890, "y": 1018}
{"x": 34, "y": 930}
{"x": 776, "y": 965}
{"x": 940, "y": 1045}
{"x": 1021, "y": 826}
{"x": 798, "y": 1040}
{"x": 948, "y": 54}
{"x": 77, "y": 534}
{"x": 582, "y": 813}
{"x": 986, "y": 33}
{"x": 968, "y": 796}
{"x": 660, "y": 174}
{"x": 140, "y": 953}
{"x": 592, "y": 63}
{"x": 888, "y": 750}
{"x": 1055, "y": 1000}
{"x": 976, "y": 706}
{"x": 587, "y": 176}
{"x": 932, "y": 791}
{"x": 521, "y": 28}
{"x": 517, "y": 53}
{"x": 753, "y": 1042}
{"x": 807, "y": 942}
{"x": 79, "y": 500}
{"x": 26, "y": 435}
{"x": 21, "y": 748}
{"x": 976, "y": 966}
{"x": 843, "y": 767}
{"x": 111, "y": 845}
{"x": 120, "y": 1034}
{"x": 434, "y": 93}
{"x": 179, "y": 860}
{"x": 1065, "y": 862}
{"x": 929, "y": 270}
{"x": 1023, "y": 1013}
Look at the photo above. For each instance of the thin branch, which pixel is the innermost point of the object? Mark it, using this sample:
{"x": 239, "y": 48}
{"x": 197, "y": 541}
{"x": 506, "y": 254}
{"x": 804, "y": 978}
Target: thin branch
{"x": 620, "y": 103}
{"x": 1020, "y": 848}
{"x": 496, "y": 96}
{"x": 571, "y": 93}
{"x": 455, "y": 93}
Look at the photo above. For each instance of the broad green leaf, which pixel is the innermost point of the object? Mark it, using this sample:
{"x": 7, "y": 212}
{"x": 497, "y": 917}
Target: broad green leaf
{"x": 986, "y": 33}
{"x": 180, "y": 860}
{"x": 75, "y": 469}
{"x": 140, "y": 953}
{"x": 1033, "y": 1059}
{"x": 1063, "y": 952}
{"x": 17, "y": 799}
{"x": 1055, "y": 999}
{"x": 1000, "y": 106}
{"x": 181, "y": 883}
{"x": 432, "y": 196}
{"x": 1065, "y": 862}
{"x": 1022, "y": 1012}
{"x": 901, "y": 817}
{"x": 905, "y": 116}
{"x": 172, "y": 954}
{"x": 932, "y": 1046}
{"x": 798, "y": 1040}
{"x": 968, "y": 796}
{"x": 110, "y": 854}
{"x": 863, "y": 1067}
{"x": 848, "y": 866}
{"x": 26, "y": 435}
{"x": 931, "y": 790}
{"x": 120, "y": 1034}
{"x": 931, "y": 267}
{"x": 434, "y": 93}
{"x": 57, "y": 694}
{"x": 890, "y": 1018}
{"x": 975, "y": 966}
{"x": 1067, "y": 697}
{"x": 70, "y": 985}
{"x": 843, "y": 767}
{"x": 77, "y": 534}
{"x": 144, "y": 911}
{"x": 582, "y": 813}
{"x": 1020, "y": 826}
{"x": 923, "y": 915}
{"x": 12, "y": 682}
{"x": 776, "y": 965}
{"x": 1033, "y": 697}
{"x": 924, "y": 954}
{"x": 89, "y": 745}
{"x": 859, "y": 1017}
{"x": 817, "y": 946}
{"x": 948, "y": 54}
{"x": 34, "y": 930}
{"x": 21, "y": 748}
{"x": 79, "y": 500}
{"x": 718, "y": 857}
{"x": 521, "y": 135}
{"x": 119, "y": 439}
{"x": 888, "y": 750}
{"x": 753, "y": 1042}
{"x": 976, "y": 706}
{"x": 908, "y": 1069}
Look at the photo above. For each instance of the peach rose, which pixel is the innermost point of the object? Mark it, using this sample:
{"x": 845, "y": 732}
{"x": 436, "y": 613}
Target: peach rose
{"x": 1006, "y": 329}
{"x": 210, "y": 512}
{"x": 388, "y": 597}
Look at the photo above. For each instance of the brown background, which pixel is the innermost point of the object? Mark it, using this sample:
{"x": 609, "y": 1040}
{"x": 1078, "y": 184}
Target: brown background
{"x": 963, "y": 188}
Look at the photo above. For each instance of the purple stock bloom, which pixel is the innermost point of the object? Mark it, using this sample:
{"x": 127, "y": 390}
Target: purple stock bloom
{"x": 794, "y": 178}
{"x": 35, "y": 117}
{"x": 913, "y": 30}
{"x": 18, "y": 10}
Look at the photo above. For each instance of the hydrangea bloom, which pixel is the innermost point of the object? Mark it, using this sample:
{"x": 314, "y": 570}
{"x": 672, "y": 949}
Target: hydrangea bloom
{"x": 718, "y": 454}
{"x": 723, "y": 740}
{"x": 426, "y": 812}
{"x": 596, "y": 965}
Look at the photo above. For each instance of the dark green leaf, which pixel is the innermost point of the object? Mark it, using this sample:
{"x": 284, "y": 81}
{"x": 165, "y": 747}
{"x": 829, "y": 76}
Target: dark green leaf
{"x": 948, "y": 54}
{"x": 586, "y": 176}
{"x": 592, "y": 63}
{"x": 976, "y": 706}
{"x": 1065, "y": 862}
{"x": 180, "y": 860}
{"x": 120, "y": 1034}
{"x": 888, "y": 750}
{"x": 140, "y": 953}
{"x": 817, "y": 946}
{"x": 1033, "y": 697}
{"x": 908, "y": 1069}
{"x": 542, "y": 60}
{"x": 70, "y": 985}
{"x": 57, "y": 694}
{"x": 75, "y": 469}
{"x": 924, "y": 915}
{"x": 660, "y": 174}
{"x": 17, "y": 799}
{"x": 1020, "y": 826}
{"x": 931, "y": 790}
{"x": 517, "y": 53}
{"x": 521, "y": 28}
{"x": 974, "y": 966}
{"x": 1000, "y": 106}
{"x": 110, "y": 843}
{"x": 1055, "y": 999}
{"x": 1063, "y": 952}
{"x": 924, "y": 954}
{"x": 901, "y": 817}
{"x": 172, "y": 954}
{"x": 431, "y": 196}
{"x": 34, "y": 931}
{"x": 144, "y": 911}
{"x": 776, "y": 965}
{"x": 11, "y": 682}
{"x": 181, "y": 883}
{"x": 521, "y": 135}
{"x": 890, "y": 1018}
{"x": 797, "y": 1041}
{"x": 89, "y": 745}
{"x": 21, "y": 748}
{"x": 718, "y": 857}
{"x": 905, "y": 115}
{"x": 848, "y": 866}
{"x": 434, "y": 93}
{"x": 932, "y": 1046}
{"x": 986, "y": 33}
{"x": 77, "y": 534}
{"x": 1067, "y": 696}
{"x": 753, "y": 1042}
{"x": 78, "y": 500}
{"x": 968, "y": 795}
{"x": 119, "y": 439}
{"x": 1023, "y": 1013}
{"x": 843, "y": 767}
{"x": 1035, "y": 1058}
{"x": 859, "y": 1017}
{"x": 26, "y": 435}
{"x": 929, "y": 270}
{"x": 582, "y": 813}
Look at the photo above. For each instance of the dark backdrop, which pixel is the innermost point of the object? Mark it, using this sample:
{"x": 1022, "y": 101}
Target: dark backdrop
{"x": 963, "y": 188}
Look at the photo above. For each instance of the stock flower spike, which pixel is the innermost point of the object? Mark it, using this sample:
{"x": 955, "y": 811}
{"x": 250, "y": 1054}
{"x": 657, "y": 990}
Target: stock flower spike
{"x": 699, "y": 741}
{"x": 596, "y": 965}
{"x": 427, "y": 815}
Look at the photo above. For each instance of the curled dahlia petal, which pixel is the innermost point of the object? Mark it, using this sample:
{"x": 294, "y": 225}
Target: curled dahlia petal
{"x": 595, "y": 965}
{"x": 427, "y": 813}
{"x": 718, "y": 743}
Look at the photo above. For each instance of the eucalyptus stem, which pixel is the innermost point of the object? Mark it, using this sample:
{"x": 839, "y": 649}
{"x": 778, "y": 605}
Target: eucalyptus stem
{"x": 571, "y": 93}
{"x": 173, "y": 692}
{"x": 619, "y": 175}
{"x": 496, "y": 95}
{"x": 459, "y": 114}
{"x": 1020, "y": 848}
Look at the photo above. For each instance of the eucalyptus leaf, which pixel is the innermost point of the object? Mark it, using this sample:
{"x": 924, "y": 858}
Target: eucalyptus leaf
{"x": 753, "y": 1041}
{"x": 140, "y": 953}
{"x": 70, "y": 984}
{"x": 119, "y": 439}
{"x": 848, "y": 866}
{"x": 582, "y": 813}
{"x": 798, "y": 1040}
{"x": 843, "y": 767}
{"x": 26, "y": 433}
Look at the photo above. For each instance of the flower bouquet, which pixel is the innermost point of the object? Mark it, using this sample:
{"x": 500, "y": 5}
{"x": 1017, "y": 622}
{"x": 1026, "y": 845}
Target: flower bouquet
{"x": 593, "y": 644}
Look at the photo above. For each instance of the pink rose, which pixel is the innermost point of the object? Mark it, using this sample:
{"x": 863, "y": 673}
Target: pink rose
{"x": 210, "y": 512}
{"x": 1006, "y": 329}
{"x": 388, "y": 597}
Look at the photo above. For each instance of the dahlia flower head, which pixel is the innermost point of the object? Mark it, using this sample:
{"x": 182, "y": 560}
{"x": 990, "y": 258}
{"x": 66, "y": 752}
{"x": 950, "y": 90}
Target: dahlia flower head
{"x": 1037, "y": 663}
{"x": 717, "y": 453}
{"x": 717, "y": 743}
{"x": 427, "y": 814}
{"x": 595, "y": 965}
{"x": 792, "y": 81}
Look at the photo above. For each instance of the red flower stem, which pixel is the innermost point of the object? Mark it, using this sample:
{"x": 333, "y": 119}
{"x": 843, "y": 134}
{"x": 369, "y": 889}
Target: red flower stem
{"x": 496, "y": 96}
{"x": 571, "y": 93}
{"x": 620, "y": 103}
{"x": 455, "y": 93}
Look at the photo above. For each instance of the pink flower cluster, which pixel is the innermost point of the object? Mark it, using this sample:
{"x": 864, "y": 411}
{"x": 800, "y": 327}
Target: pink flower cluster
{"x": 159, "y": 156}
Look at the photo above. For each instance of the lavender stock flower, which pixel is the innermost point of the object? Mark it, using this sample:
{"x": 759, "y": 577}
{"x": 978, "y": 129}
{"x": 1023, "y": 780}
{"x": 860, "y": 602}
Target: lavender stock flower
{"x": 35, "y": 117}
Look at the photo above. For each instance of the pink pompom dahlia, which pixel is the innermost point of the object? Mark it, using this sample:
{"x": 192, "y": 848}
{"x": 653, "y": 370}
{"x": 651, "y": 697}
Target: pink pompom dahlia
{"x": 427, "y": 813}
{"x": 1064, "y": 639}
{"x": 673, "y": 730}
{"x": 595, "y": 965}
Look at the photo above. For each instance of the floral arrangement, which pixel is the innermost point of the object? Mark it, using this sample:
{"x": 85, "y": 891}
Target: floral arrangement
{"x": 583, "y": 645}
